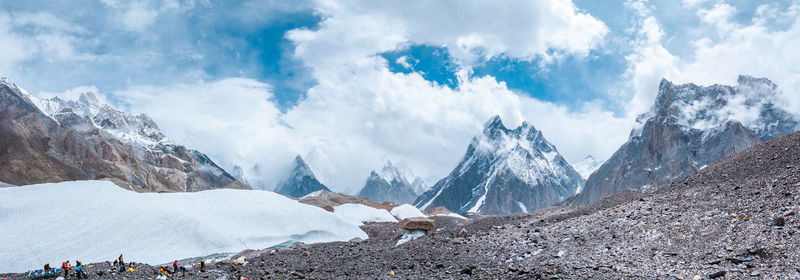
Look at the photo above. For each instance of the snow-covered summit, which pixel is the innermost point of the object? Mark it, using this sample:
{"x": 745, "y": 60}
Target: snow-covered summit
{"x": 60, "y": 140}
{"x": 752, "y": 102}
{"x": 130, "y": 128}
{"x": 505, "y": 171}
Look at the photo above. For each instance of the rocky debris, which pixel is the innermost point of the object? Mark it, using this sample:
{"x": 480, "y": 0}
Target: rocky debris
{"x": 418, "y": 223}
{"x": 717, "y": 274}
{"x": 238, "y": 261}
{"x": 779, "y": 221}
{"x": 463, "y": 233}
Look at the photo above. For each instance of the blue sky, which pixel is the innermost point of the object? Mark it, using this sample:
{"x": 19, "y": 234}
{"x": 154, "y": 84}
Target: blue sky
{"x": 252, "y": 83}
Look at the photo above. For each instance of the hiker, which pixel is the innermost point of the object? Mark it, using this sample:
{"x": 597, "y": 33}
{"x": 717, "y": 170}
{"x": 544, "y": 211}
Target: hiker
{"x": 121, "y": 264}
{"x": 79, "y": 269}
{"x": 175, "y": 267}
{"x": 163, "y": 271}
{"x": 66, "y": 266}
{"x": 203, "y": 265}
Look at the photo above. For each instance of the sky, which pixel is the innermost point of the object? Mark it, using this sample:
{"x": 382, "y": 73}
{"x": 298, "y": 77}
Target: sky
{"x": 349, "y": 85}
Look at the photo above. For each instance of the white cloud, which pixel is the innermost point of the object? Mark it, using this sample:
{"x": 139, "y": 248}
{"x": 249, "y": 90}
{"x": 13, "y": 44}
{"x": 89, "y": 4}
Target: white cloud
{"x": 722, "y": 51}
{"x": 470, "y": 30}
{"x": 25, "y": 36}
{"x": 73, "y": 93}
{"x": 15, "y": 47}
{"x": 360, "y": 114}
{"x": 136, "y": 16}
{"x": 649, "y": 62}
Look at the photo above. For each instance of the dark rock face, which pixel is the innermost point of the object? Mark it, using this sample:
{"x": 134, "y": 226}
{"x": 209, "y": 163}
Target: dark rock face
{"x": 55, "y": 140}
{"x": 688, "y": 128}
{"x": 505, "y": 171}
{"x": 301, "y": 181}
{"x": 388, "y": 185}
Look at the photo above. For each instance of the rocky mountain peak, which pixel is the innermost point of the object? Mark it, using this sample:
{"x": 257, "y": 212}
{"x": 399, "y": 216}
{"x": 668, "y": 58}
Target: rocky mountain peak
{"x": 505, "y": 171}
{"x": 89, "y": 98}
{"x": 689, "y": 127}
{"x": 390, "y": 184}
{"x": 300, "y": 180}
{"x": 54, "y": 140}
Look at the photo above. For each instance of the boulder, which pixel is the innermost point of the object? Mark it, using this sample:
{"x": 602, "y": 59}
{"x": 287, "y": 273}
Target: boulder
{"x": 238, "y": 261}
{"x": 418, "y": 223}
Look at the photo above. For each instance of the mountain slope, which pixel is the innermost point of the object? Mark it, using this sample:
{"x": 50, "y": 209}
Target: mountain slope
{"x": 388, "y": 185}
{"x": 688, "y": 128}
{"x": 300, "y": 181}
{"x": 505, "y": 171}
{"x": 55, "y": 140}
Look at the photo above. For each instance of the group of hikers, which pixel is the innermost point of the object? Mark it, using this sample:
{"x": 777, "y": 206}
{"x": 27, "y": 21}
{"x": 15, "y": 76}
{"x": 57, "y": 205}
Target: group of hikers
{"x": 178, "y": 271}
{"x": 66, "y": 266}
{"x": 118, "y": 264}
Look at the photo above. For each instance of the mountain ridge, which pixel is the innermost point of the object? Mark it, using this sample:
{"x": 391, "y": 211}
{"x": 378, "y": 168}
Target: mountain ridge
{"x": 74, "y": 144}
{"x": 688, "y": 128}
{"x": 504, "y": 171}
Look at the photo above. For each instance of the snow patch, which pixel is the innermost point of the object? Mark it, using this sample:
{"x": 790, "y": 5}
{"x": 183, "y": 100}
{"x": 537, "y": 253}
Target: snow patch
{"x": 410, "y": 235}
{"x": 406, "y": 211}
{"x": 522, "y": 206}
{"x": 358, "y": 214}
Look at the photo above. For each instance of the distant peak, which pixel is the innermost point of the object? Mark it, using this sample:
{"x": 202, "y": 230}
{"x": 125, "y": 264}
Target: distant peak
{"x": 750, "y": 80}
{"x": 89, "y": 98}
{"x": 299, "y": 163}
{"x": 299, "y": 160}
{"x": 494, "y": 122}
{"x": 6, "y": 81}
{"x": 494, "y": 126}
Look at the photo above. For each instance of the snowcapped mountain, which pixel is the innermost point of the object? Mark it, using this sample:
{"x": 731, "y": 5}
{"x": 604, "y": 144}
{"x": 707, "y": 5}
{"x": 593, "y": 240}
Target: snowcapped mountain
{"x": 689, "y": 127}
{"x": 53, "y": 140}
{"x": 505, "y": 171}
{"x": 588, "y": 165}
{"x": 389, "y": 184}
{"x": 300, "y": 181}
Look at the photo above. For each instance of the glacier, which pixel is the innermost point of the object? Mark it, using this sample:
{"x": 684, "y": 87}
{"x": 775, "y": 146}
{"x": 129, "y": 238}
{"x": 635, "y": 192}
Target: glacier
{"x": 96, "y": 221}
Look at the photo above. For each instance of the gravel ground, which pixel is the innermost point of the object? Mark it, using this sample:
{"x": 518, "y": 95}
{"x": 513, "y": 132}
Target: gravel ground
{"x": 736, "y": 219}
